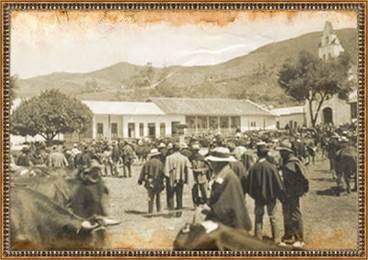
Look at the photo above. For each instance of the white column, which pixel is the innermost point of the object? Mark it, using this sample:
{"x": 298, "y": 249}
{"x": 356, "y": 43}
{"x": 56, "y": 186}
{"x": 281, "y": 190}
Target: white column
{"x": 94, "y": 127}
{"x": 121, "y": 127}
{"x": 168, "y": 128}
{"x": 229, "y": 125}
{"x": 208, "y": 124}
{"x": 218, "y": 125}
{"x": 125, "y": 129}
{"x": 136, "y": 130}
{"x": 145, "y": 129}
{"x": 196, "y": 124}
{"x": 108, "y": 127}
{"x": 157, "y": 127}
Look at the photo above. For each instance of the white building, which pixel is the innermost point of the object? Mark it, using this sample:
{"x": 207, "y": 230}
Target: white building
{"x": 333, "y": 111}
{"x": 162, "y": 117}
{"x": 289, "y": 117}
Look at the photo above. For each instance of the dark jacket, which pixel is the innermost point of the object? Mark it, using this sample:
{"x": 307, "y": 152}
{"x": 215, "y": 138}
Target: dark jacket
{"x": 201, "y": 170}
{"x": 295, "y": 182}
{"x": 152, "y": 174}
{"x": 264, "y": 181}
{"x": 164, "y": 153}
{"x": 24, "y": 160}
{"x": 332, "y": 149}
{"x": 242, "y": 174}
{"x": 227, "y": 201}
{"x": 186, "y": 152}
{"x": 115, "y": 154}
{"x": 248, "y": 159}
{"x": 346, "y": 161}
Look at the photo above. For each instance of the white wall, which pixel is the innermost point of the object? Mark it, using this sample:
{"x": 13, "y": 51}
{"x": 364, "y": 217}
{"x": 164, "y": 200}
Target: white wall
{"x": 341, "y": 111}
{"x": 261, "y": 122}
{"x": 145, "y": 119}
{"x": 105, "y": 119}
{"x": 283, "y": 120}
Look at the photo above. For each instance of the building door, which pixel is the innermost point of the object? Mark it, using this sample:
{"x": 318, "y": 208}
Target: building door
{"x": 175, "y": 128}
{"x": 151, "y": 129}
{"x": 131, "y": 130}
{"x": 114, "y": 130}
{"x": 327, "y": 115}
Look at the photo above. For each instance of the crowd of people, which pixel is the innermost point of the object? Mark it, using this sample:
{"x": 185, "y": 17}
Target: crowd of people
{"x": 265, "y": 165}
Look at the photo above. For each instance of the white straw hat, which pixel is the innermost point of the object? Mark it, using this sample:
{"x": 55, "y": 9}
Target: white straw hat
{"x": 220, "y": 154}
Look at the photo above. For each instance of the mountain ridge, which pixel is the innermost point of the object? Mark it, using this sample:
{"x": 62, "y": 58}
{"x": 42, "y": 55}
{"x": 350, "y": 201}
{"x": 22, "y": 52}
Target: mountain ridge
{"x": 253, "y": 76}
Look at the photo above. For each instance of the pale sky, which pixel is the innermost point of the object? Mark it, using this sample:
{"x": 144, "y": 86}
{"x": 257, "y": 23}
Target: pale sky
{"x": 46, "y": 42}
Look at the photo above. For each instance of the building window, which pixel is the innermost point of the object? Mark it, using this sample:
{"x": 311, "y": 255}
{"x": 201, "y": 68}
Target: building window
{"x": 190, "y": 122}
{"x": 162, "y": 130}
{"x": 151, "y": 129}
{"x": 235, "y": 122}
{"x": 353, "y": 109}
{"x": 175, "y": 128}
{"x": 253, "y": 124}
{"x": 202, "y": 122}
{"x": 214, "y": 122}
{"x": 131, "y": 130}
{"x": 114, "y": 129}
{"x": 277, "y": 124}
{"x": 224, "y": 122}
{"x": 141, "y": 129}
{"x": 99, "y": 129}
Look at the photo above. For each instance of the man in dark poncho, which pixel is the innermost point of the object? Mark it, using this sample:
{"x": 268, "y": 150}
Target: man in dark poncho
{"x": 296, "y": 185}
{"x": 226, "y": 203}
{"x": 240, "y": 171}
{"x": 152, "y": 175}
{"x": 346, "y": 165}
{"x": 264, "y": 186}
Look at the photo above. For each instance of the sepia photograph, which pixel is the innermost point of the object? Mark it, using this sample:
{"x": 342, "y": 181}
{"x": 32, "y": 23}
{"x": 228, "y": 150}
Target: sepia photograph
{"x": 184, "y": 129}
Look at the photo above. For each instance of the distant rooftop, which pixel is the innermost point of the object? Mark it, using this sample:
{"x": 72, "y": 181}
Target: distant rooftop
{"x": 288, "y": 110}
{"x": 209, "y": 106}
{"x": 123, "y": 108}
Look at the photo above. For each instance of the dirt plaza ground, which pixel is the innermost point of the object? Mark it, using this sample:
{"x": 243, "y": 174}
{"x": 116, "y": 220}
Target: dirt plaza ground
{"x": 330, "y": 222}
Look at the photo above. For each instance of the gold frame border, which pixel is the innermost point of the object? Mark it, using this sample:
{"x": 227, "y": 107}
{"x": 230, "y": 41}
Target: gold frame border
{"x": 360, "y": 7}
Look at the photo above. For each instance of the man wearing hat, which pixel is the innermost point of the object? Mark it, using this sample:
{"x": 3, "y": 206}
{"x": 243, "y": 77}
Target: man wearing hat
{"x": 226, "y": 203}
{"x": 177, "y": 170}
{"x": 164, "y": 151}
{"x": 57, "y": 158}
{"x": 332, "y": 148}
{"x": 152, "y": 175}
{"x": 24, "y": 159}
{"x": 201, "y": 174}
{"x": 116, "y": 158}
{"x": 295, "y": 186}
{"x": 240, "y": 171}
{"x": 92, "y": 171}
{"x": 346, "y": 165}
{"x": 128, "y": 157}
{"x": 184, "y": 150}
{"x": 264, "y": 185}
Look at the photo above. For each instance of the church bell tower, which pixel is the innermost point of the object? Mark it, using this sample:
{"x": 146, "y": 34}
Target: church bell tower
{"x": 329, "y": 46}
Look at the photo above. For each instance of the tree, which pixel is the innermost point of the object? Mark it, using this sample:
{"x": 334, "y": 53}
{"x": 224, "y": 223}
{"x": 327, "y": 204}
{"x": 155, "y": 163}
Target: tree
{"x": 13, "y": 87}
{"x": 50, "y": 114}
{"x": 315, "y": 81}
